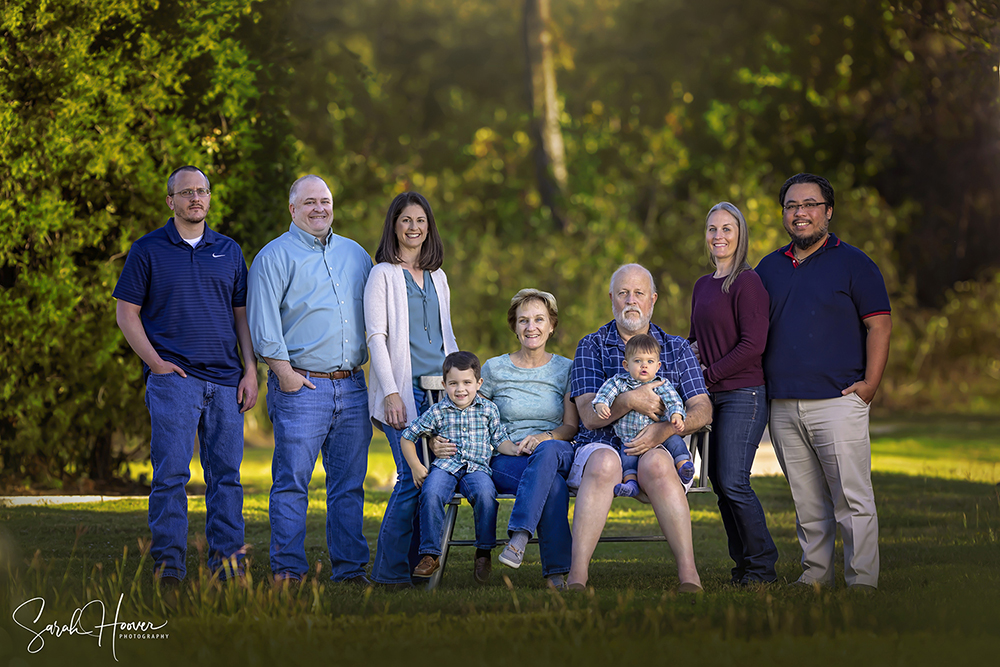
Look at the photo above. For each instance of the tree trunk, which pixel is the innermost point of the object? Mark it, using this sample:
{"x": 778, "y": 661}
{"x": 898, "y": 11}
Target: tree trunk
{"x": 550, "y": 153}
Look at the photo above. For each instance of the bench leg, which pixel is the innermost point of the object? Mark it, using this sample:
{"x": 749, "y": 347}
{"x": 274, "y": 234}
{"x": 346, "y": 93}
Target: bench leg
{"x": 451, "y": 514}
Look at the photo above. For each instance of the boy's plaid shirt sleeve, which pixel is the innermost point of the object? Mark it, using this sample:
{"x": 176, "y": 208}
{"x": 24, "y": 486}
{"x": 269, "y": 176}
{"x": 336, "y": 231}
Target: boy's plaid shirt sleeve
{"x": 497, "y": 431}
{"x": 609, "y": 390}
{"x": 425, "y": 424}
{"x": 671, "y": 400}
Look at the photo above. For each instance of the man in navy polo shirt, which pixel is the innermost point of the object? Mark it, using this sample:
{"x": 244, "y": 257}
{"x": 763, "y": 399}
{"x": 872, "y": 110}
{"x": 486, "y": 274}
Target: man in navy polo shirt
{"x": 308, "y": 322}
{"x": 827, "y": 347}
{"x": 182, "y": 308}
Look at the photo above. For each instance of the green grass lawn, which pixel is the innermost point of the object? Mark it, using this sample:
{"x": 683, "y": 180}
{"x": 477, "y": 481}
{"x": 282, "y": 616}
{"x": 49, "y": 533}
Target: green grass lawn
{"x": 939, "y": 596}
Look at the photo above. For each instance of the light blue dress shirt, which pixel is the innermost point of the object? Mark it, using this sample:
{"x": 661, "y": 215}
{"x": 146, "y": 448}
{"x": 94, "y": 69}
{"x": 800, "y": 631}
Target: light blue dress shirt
{"x": 305, "y": 301}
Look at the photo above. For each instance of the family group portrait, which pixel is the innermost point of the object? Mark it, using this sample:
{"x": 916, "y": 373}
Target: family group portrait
{"x": 456, "y": 332}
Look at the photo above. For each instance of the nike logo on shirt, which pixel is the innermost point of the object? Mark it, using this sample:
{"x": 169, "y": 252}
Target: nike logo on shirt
{"x": 217, "y": 256}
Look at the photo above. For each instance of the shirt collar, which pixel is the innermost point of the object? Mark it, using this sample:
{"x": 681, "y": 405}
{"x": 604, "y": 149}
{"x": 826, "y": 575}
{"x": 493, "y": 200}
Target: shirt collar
{"x": 207, "y": 238}
{"x": 614, "y": 337}
{"x": 308, "y": 239}
{"x": 478, "y": 400}
{"x": 831, "y": 242}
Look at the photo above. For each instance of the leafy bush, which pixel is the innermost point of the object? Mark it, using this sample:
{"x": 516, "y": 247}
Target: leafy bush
{"x": 103, "y": 98}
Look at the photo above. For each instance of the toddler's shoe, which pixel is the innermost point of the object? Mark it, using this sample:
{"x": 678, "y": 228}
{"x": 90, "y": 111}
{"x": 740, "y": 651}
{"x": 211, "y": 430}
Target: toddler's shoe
{"x": 427, "y": 566}
{"x": 686, "y": 471}
{"x": 511, "y": 557}
{"x": 629, "y": 489}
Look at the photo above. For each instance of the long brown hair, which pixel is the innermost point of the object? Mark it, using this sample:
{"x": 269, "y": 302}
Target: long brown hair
{"x": 431, "y": 252}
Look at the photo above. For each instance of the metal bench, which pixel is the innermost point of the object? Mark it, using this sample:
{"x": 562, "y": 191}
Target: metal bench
{"x": 697, "y": 444}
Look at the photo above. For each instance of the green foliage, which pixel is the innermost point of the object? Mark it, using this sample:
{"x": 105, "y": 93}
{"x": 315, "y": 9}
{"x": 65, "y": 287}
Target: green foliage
{"x": 103, "y": 100}
{"x": 668, "y": 108}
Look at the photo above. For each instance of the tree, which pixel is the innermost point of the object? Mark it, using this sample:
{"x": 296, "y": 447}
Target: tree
{"x": 105, "y": 98}
{"x": 549, "y": 150}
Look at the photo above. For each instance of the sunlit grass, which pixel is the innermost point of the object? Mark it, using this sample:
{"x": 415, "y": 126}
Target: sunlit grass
{"x": 939, "y": 591}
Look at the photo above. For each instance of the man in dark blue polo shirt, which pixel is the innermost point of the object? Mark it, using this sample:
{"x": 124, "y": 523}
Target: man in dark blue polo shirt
{"x": 827, "y": 347}
{"x": 182, "y": 308}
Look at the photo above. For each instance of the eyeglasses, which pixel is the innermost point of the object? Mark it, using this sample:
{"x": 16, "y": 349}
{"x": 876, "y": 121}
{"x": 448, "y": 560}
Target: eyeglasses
{"x": 188, "y": 194}
{"x": 808, "y": 206}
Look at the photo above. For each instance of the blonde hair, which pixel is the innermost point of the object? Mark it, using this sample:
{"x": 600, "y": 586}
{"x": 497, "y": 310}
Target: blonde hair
{"x": 528, "y": 294}
{"x": 740, "y": 263}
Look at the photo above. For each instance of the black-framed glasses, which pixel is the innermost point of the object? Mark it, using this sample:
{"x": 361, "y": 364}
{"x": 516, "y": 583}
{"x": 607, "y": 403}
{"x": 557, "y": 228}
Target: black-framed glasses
{"x": 808, "y": 206}
{"x": 188, "y": 194}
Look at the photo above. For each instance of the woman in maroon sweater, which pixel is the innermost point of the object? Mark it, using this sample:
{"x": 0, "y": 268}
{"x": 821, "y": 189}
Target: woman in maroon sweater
{"x": 729, "y": 315}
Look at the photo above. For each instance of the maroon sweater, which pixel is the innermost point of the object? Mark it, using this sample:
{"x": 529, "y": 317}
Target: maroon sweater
{"x": 731, "y": 330}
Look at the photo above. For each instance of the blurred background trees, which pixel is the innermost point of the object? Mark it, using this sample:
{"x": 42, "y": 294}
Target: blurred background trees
{"x": 662, "y": 109}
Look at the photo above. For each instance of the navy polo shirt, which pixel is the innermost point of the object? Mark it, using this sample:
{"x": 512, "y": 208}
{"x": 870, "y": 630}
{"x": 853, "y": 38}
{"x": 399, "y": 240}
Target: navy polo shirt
{"x": 817, "y": 336}
{"x": 187, "y": 296}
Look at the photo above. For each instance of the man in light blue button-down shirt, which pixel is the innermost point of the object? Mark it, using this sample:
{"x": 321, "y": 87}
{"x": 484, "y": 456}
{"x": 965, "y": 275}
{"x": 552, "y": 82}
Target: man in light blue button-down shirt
{"x": 304, "y": 305}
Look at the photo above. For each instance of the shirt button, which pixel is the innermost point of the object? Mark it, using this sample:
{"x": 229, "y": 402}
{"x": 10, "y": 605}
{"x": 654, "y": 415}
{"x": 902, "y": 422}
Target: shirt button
{"x": 345, "y": 321}
{"x": 341, "y": 303}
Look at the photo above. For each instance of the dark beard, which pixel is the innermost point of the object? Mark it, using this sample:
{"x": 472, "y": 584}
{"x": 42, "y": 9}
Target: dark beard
{"x": 804, "y": 242}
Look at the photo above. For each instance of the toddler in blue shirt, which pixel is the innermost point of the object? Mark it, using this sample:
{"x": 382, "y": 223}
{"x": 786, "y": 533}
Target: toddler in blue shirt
{"x": 642, "y": 361}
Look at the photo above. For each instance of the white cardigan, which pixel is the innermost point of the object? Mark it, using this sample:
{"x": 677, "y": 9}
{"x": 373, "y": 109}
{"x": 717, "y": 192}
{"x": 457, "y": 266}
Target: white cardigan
{"x": 387, "y": 321}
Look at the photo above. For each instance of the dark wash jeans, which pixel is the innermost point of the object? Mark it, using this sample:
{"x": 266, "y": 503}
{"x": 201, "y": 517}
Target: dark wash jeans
{"x": 397, "y": 553}
{"x": 738, "y": 421}
{"x": 178, "y": 408}
{"x": 542, "y": 503}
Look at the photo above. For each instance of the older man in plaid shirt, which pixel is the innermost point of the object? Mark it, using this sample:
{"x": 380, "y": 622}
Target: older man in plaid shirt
{"x": 473, "y": 424}
{"x": 597, "y": 467}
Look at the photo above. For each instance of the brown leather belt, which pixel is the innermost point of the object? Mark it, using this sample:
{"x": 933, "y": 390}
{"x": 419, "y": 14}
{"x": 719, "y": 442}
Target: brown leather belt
{"x": 336, "y": 375}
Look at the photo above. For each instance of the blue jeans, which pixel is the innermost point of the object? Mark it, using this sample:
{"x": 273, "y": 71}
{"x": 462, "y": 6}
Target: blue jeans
{"x": 739, "y": 418}
{"x": 542, "y": 502}
{"x": 397, "y": 553}
{"x": 332, "y": 419}
{"x": 179, "y": 408}
{"x": 674, "y": 445}
{"x": 438, "y": 489}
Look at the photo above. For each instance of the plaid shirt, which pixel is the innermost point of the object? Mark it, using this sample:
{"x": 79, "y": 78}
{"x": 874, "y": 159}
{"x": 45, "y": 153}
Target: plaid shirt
{"x": 632, "y": 422}
{"x": 476, "y": 432}
{"x": 599, "y": 356}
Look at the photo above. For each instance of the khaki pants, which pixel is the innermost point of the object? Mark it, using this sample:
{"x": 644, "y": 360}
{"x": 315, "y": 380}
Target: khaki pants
{"x": 825, "y": 452}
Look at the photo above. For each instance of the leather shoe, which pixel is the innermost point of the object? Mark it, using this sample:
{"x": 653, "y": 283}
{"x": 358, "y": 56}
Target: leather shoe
{"x": 361, "y": 581}
{"x": 482, "y": 570}
{"x": 427, "y": 566}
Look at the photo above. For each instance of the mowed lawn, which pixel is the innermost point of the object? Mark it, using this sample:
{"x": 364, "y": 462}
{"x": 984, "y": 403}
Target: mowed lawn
{"x": 939, "y": 598}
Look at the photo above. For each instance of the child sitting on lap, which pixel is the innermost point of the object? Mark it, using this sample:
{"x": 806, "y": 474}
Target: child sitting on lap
{"x": 642, "y": 361}
{"x": 472, "y": 423}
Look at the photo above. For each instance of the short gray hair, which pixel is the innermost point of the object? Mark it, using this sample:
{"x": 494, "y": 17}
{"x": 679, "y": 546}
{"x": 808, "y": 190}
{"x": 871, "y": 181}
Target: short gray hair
{"x": 294, "y": 190}
{"x": 629, "y": 267}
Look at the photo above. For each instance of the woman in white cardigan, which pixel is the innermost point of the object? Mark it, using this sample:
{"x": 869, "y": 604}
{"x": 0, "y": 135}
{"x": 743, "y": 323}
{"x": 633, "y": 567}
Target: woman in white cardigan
{"x": 408, "y": 319}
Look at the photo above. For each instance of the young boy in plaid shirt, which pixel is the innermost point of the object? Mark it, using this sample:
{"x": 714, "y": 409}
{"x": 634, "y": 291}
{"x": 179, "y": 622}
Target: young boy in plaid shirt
{"x": 642, "y": 361}
{"x": 472, "y": 423}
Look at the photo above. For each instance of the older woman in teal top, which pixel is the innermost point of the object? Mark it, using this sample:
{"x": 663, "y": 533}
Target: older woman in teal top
{"x": 531, "y": 389}
{"x": 408, "y": 320}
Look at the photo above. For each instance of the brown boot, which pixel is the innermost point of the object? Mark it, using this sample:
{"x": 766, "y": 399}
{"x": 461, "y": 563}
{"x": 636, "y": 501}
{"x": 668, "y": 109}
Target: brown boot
{"x": 427, "y": 566}
{"x": 483, "y": 567}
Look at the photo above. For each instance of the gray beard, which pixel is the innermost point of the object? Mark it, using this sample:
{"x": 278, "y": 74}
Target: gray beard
{"x": 641, "y": 323}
